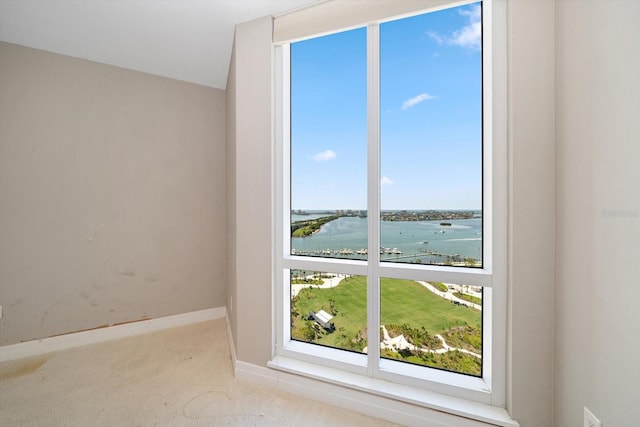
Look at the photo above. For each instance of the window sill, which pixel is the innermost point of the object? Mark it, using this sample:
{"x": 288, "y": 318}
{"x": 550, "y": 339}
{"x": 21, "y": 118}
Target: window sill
{"x": 396, "y": 392}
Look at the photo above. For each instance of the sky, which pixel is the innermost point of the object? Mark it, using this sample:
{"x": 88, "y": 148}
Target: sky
{"x": 430, "y": 115}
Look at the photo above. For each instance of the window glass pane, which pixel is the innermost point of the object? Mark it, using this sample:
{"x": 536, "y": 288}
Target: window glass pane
{"x": 431, "y": 138}
{"x": 329, "y": 146}
{"x": 432, "y": 324}
{"x": 329, "y": 309}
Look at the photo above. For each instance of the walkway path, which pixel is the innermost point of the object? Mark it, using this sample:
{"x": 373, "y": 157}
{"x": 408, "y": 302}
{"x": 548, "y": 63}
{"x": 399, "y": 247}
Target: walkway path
{"x": 449, "y": 295}
{"x": 400, "y": 343}
{"x": 326, "y": 283}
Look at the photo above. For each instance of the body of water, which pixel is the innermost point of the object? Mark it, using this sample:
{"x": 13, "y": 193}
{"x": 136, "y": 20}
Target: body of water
{"x": 427, "y": 242}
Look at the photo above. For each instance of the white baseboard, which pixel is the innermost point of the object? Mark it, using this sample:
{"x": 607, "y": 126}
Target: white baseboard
{"x": 385, "y": 408}
{"x": 77, "y": 339}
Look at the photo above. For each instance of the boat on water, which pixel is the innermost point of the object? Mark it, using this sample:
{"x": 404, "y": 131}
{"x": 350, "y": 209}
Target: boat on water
{"x": 394, "y": 251}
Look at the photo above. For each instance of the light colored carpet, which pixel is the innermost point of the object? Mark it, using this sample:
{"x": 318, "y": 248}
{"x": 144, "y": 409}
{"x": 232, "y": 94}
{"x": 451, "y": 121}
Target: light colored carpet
{"x": 176, "y": 377}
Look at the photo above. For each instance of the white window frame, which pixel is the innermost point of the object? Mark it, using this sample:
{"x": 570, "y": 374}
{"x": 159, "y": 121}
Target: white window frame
{"x": 339, "y": 366}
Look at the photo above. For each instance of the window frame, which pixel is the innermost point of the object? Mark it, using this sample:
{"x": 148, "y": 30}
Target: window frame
{"x": 491, "y": 387}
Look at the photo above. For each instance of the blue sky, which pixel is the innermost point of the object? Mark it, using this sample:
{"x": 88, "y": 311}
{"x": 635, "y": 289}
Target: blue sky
{"x": 430, "y": 115}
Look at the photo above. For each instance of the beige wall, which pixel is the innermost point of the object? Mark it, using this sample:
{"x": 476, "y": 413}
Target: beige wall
{"x": 531, "y": 209}
{"x": 252, "y": 192}
{"x": 112, "y": 195}
{"x": 232, "y": 297}
{"x": 598, "y": 212}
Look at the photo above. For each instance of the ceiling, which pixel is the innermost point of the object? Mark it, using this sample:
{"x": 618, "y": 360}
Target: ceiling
{"x": 188, "y": 40}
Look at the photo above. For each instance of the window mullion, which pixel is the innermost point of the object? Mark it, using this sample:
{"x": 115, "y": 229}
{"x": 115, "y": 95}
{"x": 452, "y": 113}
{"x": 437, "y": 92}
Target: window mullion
{"x": 373, "y": 196}
{"x": 467, "y": 276}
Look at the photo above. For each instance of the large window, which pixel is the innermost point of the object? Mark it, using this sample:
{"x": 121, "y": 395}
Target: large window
{"x": 387, "y": 250}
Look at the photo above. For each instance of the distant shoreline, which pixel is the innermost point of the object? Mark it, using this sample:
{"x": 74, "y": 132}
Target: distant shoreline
{"x": 311, "y": 227}
{"x": 421, "y": 242}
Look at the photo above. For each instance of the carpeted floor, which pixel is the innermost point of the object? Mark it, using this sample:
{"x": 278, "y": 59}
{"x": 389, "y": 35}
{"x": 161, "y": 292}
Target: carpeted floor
{"x": 176, "y": 377}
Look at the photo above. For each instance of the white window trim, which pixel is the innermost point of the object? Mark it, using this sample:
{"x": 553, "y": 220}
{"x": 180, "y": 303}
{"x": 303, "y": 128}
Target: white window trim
{"x": 338, "y": 366}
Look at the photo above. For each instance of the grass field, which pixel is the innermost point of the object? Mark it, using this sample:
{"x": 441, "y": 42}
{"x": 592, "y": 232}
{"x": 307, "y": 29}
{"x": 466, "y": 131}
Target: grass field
{"x": 346, "y": 302}
{"x": 408, "y": 302}
{"x": 468, "y": 297}
{"x": 405, "y": 305}
{"x": 440, "y": 286}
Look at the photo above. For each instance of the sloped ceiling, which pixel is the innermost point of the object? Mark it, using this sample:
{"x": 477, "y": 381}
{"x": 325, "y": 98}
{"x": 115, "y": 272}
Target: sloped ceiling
{"x": 188, "y": 40}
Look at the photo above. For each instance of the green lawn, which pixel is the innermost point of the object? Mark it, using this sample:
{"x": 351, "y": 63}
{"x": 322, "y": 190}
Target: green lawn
{"x": 403, "y": 302}
{"x": 406, "y": 301}
{"x": 439, "y": 286}
{"x": 468, "y": 297}
{"x": 349, "y": 311}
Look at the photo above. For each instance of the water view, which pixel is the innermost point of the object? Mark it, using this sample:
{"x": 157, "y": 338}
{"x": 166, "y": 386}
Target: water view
{"x": 440, "y": 241}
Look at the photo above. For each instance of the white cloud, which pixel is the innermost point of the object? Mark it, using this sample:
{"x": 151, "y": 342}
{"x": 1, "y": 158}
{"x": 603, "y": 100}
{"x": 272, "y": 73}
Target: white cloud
{"x": 416, "y": 100}
{"x": 473, "y": 13}
{"x": 437, "y": 37}
{"x": 323, "y": 156}
{"x": 469, "y": 36}
{"x": 386, "y": 181}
